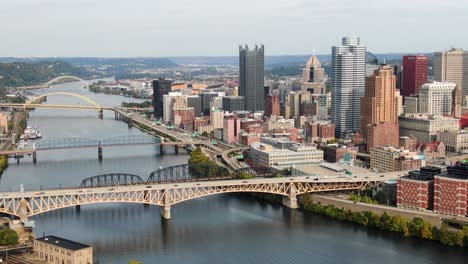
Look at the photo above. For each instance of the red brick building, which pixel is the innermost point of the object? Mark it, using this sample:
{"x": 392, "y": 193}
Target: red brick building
{"x": 335, "y": 154}
{"x": 382, "y": 134}
{"x": 199, "y": 122}
{"x": 415, "y": 73}
{"x": 321, "y": 131}
{"x": 451, "y": 191}
{"x": 408, "y": 142}
{"x": 246, "y": 139}
{"x": 272, "y": 105}
{"x": 416, "y": 191}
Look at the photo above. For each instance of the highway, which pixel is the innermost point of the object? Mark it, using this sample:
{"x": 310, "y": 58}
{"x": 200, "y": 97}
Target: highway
{"x": 363, "y": 177}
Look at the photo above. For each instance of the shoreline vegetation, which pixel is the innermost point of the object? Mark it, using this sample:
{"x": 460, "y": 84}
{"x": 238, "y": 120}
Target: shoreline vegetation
{"x": 415, "y": 227}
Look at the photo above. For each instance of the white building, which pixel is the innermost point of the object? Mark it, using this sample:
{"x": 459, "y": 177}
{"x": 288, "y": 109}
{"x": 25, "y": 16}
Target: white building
{"x": 436, "y": 98}
{"x": 171, "y": 100}
{"x": 455, "y": 141}
{"x": 283, "y": 153}
{"x": 216, "y": 118}
{"x": 347, "y": 85}
{"x": 425, "y": 126}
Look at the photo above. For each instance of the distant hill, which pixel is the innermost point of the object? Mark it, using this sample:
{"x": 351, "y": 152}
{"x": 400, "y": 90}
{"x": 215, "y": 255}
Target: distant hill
{"x": 15, "y": 74}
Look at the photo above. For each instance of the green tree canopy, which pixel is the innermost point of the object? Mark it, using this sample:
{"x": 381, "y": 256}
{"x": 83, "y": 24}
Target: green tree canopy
{"x": 8, "y": 237}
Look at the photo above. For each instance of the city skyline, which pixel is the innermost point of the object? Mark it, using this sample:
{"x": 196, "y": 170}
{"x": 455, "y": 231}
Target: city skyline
{"x": 132, "y": 30}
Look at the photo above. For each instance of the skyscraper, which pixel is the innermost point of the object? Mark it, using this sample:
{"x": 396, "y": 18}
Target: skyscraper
{"x": 251, "y": 71}
{"x": 347, "y": 84}
{"x": 160, "y": 88}
{"x": 415, "y": 72}
{"x": 380, "y": 102}
{"x": 272, "y": 105}
{"x": 313, "y": 77}
{"x": 448, "y": 67}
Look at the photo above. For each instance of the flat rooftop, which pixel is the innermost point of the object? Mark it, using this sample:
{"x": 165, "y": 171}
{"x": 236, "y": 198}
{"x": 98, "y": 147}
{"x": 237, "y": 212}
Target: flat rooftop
{"x": 62, "y": 242}
{"x": 316, "y": 169}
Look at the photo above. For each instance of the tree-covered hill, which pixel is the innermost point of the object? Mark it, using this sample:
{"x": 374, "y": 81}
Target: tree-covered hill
{"x": 17, "y": 74}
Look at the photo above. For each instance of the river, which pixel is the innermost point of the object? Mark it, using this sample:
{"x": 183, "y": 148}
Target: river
{"x": 215, "y": 229}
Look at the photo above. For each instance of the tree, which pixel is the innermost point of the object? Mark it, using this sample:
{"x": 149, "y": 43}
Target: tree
{"x": 8, "y": 237}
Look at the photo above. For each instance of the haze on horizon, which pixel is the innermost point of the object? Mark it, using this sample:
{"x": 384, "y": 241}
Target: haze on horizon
{"x": 157, "y": 28}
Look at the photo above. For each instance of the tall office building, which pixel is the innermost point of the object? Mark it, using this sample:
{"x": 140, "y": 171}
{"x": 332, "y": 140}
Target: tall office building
{"x": 380, "y": 101}
{"x": 251, "y": 71}
{"x": 195, "y": 101}
{"x": 448, "y": 67}
{"x": 272, "y": 105}
{"x": 160, "y": 88}
{"x": 313, "y": 77}
{"x": 436, "y": 98}
{"x": 347, "y": 84}
{"x": 415, "y": 73}
{"x": 233, "y": 103}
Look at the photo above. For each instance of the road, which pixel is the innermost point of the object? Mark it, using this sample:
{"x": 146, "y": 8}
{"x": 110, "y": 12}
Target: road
{"x": 363, "y": 177}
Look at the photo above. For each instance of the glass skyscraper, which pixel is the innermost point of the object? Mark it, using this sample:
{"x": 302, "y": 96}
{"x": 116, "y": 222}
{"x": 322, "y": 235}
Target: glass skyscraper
{"x": 347, "y": 84}
{"x": 251, "y": 71}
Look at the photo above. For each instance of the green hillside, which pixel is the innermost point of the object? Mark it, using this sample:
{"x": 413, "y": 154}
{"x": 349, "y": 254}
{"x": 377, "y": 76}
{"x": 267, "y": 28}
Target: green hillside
{"x": 17, "y": 74}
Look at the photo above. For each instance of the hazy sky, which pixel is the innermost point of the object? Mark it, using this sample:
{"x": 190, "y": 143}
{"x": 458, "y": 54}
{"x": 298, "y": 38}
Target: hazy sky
{"x": 158, "y": 28}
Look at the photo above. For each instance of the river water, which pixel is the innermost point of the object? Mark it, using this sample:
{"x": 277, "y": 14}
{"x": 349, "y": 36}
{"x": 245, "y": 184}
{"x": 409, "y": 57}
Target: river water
{"x": 215, "y": 229}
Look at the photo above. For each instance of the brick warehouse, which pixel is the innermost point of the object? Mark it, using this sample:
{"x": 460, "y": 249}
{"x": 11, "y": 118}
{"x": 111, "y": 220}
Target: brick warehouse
{"x": 451, "y": 191}
{"x": 416, "y": 191}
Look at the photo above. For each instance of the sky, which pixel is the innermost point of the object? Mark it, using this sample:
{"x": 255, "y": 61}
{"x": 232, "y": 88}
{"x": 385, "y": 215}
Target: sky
{"x": 161, "y": 28}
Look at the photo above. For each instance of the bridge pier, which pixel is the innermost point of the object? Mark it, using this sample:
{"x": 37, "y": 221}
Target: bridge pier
{"x": 166, "y": 212}
{"x": 176, "y": 149}
{"x": 100, "y": 114}
{"x": 161, "y": 146}
{"x": 23, "y": 210}
{"x": 291, "y": 200}
{"x": 100, "y": 153}
{"x": 166, "y": 207}
{"x": 34, "y": 155}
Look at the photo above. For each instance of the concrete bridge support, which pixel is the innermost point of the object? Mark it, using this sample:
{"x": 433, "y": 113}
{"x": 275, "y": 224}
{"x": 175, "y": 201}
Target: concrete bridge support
{"x": 176, "y": 149}
{"x": 166, "y": 208}
{"x": 23, "y": 211}
{"x": 34, "y": 155}
{"x": 100, "y": 153}
{"x": 100, "y": 114}
{"x": 291, "y": 200}
{"x": 161, "y": 146}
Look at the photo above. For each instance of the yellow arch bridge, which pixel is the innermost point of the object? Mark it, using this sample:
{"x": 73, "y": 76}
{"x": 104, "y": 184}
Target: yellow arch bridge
{"x": 37, "y": 103}
{"x": 49, "y": 83}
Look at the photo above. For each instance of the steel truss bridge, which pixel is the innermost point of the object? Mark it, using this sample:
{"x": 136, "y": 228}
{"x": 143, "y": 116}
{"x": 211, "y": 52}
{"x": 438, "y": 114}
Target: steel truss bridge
{"x": 81, "y": 143}
{"x": 27, "y": 204}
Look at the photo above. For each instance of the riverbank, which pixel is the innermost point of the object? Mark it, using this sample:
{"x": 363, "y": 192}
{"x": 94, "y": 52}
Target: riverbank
{"x": 416, "y": 227}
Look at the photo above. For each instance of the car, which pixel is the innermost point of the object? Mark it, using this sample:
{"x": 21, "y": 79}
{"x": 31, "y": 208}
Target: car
{"x": 149, "y": 187}
{"x": 39, "y": 193}
{"x": 81, "y": 191}
{"x": 307, "y": 177}
{"x": 366, "y": 177}
{"x": 245, "y": 182}
{"x": 381, "y": 176}
{"x": 175, "y": 185}
{"x": 316, "y": 179}
{"x": 111, "y": 189}
{"x": 292, "y": 179}
{"x": 198, "y": 184}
